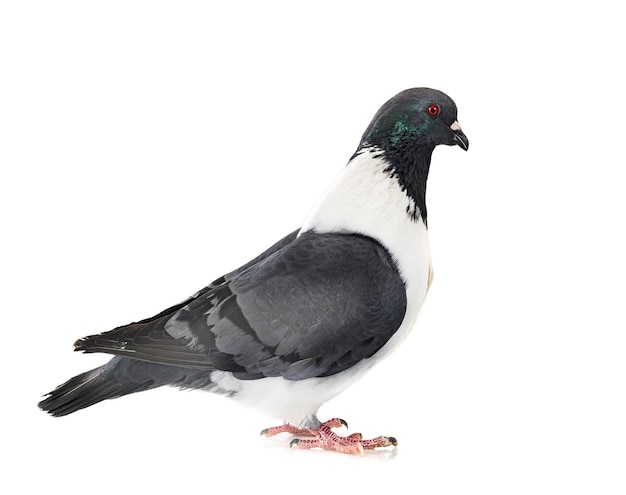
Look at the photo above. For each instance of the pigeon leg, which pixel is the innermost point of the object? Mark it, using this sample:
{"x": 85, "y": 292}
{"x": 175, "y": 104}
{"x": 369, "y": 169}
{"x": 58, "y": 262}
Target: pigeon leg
{"x": 287, "y": 428}
{"x": 325, "y": 438}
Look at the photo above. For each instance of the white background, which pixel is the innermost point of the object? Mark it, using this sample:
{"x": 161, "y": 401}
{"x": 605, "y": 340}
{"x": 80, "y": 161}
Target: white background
{"x": 148, "y": 147}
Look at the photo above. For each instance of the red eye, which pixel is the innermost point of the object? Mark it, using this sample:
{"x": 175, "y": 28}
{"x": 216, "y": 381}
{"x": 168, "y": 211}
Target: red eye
{"x": 433, "y": 110}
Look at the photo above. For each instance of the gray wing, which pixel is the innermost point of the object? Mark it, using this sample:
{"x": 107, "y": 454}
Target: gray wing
{"x": 313, "y": 307}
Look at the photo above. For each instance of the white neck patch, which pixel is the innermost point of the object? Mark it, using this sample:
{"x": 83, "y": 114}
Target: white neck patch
{"x": 366, "y": 200}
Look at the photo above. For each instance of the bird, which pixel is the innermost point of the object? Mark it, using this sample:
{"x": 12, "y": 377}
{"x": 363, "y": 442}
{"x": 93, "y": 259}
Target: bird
{"x": 294, "y": 327}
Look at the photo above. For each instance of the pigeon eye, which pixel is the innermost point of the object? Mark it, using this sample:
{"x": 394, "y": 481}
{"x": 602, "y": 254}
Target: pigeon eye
{"x": 433, "y": 110}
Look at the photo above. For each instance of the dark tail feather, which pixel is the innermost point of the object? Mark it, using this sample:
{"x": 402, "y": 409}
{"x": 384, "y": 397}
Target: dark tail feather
{"x": 120, "y": 376}
{"x": 87, "y": 389}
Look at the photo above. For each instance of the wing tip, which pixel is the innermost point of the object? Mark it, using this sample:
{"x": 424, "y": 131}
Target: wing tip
{"x": 80, "y": 345}
{"x": 98, "y": 343}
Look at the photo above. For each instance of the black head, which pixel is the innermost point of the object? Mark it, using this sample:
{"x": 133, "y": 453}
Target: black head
{"x": 417, "y": 117}
{"x": 405, "y": 131}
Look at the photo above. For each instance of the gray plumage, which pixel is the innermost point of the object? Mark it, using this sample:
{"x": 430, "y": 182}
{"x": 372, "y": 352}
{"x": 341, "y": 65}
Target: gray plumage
{"x": 292, "y": 313}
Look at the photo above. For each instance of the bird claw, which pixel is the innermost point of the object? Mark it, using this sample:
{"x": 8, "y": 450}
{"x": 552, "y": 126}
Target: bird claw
{"x": 325, "y": 438}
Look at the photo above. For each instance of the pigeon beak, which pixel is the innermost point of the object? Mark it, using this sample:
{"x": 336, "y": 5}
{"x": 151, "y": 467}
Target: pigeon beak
{"x": 459, "y": 137}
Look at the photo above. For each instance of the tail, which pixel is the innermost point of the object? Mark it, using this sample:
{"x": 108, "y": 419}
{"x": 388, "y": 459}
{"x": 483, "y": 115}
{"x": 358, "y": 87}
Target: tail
{"x": 120, "y": 376}
{"x": 89, "y": 388}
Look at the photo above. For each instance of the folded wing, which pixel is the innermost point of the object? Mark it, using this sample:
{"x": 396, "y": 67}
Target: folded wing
{"x": 312, "y": 305}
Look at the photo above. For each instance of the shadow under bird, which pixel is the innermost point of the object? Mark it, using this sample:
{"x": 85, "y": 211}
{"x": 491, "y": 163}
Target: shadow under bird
{"x": 297, "y": 325}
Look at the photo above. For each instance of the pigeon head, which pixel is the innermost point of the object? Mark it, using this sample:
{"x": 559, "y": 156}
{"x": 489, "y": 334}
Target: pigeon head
{"x": 415, "y": 119}
{"x": 405, "y": 131}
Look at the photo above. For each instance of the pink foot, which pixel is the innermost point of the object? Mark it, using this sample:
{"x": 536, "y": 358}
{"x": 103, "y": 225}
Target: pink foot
{"x": 325, "y": 438}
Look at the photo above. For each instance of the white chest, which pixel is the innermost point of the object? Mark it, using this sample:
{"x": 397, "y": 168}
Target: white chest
{"x": 362, "y": 200}
{"x": 365, "y": 200}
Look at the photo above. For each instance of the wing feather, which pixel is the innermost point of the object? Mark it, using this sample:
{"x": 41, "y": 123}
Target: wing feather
{"x": 312, "y": 305}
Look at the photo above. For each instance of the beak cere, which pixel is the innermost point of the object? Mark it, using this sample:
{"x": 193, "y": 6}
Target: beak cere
{"x": 459, "y": 137}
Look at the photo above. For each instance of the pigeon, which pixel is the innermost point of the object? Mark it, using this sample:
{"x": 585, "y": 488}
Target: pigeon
{"x": 294, "y": 327}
